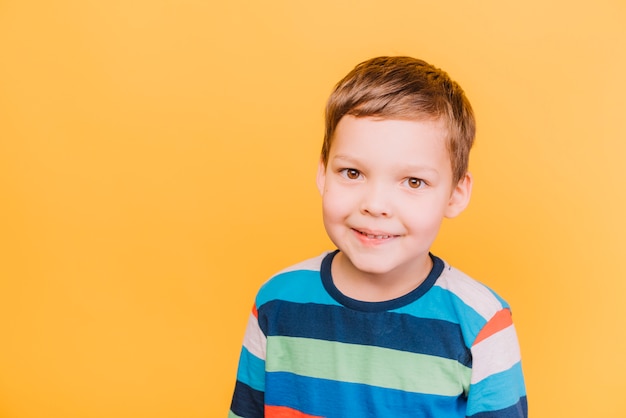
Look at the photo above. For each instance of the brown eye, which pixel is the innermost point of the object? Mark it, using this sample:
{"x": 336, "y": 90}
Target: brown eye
{"x": 415, "y": 183}
{"x": 352, "y": 174}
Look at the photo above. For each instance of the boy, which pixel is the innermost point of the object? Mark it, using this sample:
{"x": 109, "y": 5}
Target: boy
{"x": 381, "y": 327}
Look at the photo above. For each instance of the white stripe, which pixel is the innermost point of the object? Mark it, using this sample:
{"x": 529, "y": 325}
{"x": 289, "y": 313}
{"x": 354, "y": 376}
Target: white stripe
{"x": 495, "y": 354}
{"x": 254, "y": 340}
{"x": 313, "y": 264}
{"x": 472, "y": 293}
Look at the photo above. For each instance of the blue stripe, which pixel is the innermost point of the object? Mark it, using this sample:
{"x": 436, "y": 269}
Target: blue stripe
{"x": 508, "y": 385}
{"x": 327, "y": 398}
{"x": 502, "y": 301}
{"x": 300, "y": 286}
{"x": 251, "y": 370}
{"x": 440, "y": 303}
{"x": 444, "y": 305}
{"x": 388, "y": 330}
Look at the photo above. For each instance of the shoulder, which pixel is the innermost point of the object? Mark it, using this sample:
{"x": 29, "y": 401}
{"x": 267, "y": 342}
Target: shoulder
{"x": 311, "y": 264}
{"x": 300, "y": 283}
{"x": 470, "y": 293}
{"x": 474, "y": 306}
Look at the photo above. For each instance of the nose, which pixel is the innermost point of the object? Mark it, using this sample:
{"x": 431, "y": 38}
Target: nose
{"x": 376, "y": 201}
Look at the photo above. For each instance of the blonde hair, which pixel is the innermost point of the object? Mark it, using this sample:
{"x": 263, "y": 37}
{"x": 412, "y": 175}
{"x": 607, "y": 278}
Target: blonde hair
{"x": 404, "y": 88}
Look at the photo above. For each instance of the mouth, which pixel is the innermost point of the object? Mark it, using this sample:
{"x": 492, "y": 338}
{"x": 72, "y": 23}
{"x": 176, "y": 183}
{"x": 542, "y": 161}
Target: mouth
{"x": 374, "y": 235}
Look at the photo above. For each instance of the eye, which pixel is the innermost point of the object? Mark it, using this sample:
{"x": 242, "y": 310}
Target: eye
{"x": 415, "y": 183}
{"x": 351, "y": 173}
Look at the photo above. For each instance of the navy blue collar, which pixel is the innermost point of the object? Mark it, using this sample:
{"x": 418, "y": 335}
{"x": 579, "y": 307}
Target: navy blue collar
{"x": 358, "y": 305}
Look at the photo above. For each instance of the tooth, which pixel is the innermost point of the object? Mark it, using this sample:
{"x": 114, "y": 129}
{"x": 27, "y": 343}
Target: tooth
{"x": 372, "y": 236}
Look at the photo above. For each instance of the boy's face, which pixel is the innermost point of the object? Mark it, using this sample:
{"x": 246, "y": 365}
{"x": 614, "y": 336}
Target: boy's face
{"x": 386, "y": 188}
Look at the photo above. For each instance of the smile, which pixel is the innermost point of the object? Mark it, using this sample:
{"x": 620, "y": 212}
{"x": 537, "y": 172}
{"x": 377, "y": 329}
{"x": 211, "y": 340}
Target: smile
{"x": 375, "y": 236}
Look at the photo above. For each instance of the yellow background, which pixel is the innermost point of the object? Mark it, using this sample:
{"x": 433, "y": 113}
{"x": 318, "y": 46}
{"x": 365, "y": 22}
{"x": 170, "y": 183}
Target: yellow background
{"x": 157, "y": 164}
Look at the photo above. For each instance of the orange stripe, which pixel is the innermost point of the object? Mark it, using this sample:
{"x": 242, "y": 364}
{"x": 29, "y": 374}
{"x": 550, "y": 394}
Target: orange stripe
{"x": 285, "y": 412}
{"x": 255, "y": 312}
{"x": 500, "y": 321}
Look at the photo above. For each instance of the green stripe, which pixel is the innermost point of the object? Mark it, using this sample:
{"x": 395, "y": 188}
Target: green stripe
{"x": 374, "y": 366}
{"x": 231, "y": 414}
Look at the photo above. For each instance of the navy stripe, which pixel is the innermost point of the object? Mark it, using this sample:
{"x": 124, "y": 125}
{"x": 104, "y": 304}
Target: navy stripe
{"x": 392, "y": 330}
{"x": 327, "y": 398}
{"x": 247, "y": 402}
{"x": 519, "y": 410}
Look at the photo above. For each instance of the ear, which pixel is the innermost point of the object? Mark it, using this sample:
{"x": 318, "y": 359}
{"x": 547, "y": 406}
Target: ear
{"x": 321, "y": 177}
{"x": 460, "y": 196}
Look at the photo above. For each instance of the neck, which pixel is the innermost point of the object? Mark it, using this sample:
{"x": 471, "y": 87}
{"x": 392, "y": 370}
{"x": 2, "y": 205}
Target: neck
{"x": 375, "y": 287}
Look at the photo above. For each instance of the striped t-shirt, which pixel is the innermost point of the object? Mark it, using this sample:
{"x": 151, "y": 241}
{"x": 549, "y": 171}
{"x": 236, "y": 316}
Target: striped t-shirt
{"x": 447, "y": 349}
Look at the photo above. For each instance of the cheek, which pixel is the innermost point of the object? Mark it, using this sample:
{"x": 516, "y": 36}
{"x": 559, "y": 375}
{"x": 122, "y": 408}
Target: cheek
{"x": 331, "y": 209}
{"x": 427, "y": 224}
{"x": 335, "y": 205}
{"x": 427, "y": 216}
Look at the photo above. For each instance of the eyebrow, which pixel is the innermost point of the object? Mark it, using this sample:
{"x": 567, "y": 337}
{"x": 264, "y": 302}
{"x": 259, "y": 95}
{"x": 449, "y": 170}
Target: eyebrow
{"x": 408, "y": 167}
{"x": 345, "y": 158}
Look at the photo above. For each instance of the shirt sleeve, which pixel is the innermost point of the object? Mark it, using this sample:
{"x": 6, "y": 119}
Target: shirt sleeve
{"x": 497, "y": 388}
{"x": 249, "y": 395}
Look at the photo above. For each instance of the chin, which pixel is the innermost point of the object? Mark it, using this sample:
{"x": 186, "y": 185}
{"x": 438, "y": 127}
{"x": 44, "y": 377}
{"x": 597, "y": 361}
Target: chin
{"x": 369, "y": 265}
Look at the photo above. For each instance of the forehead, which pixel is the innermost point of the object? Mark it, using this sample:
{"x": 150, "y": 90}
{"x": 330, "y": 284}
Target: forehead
{"x": 390, "y": 142}
{"x": 353, "y": 131}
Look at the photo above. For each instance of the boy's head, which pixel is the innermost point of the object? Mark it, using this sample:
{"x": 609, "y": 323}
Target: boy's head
{"x": 404, "y": 88}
